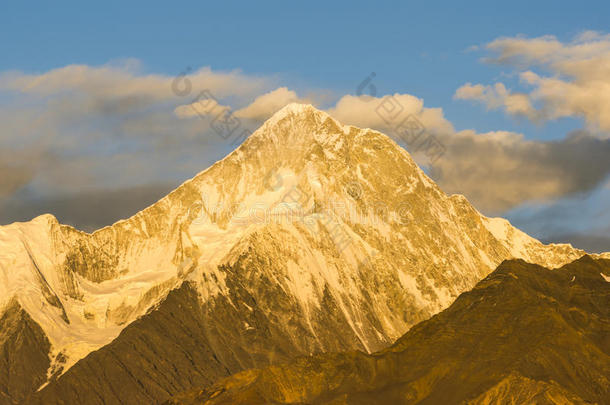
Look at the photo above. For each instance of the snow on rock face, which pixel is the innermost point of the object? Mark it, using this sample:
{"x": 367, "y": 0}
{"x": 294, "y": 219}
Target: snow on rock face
{"x": 339, "y": 213}
{"x": 54, "y": 272}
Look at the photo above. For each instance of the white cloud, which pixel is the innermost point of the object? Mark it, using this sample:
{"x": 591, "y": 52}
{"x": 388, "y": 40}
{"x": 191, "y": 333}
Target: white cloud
{"x": 124, "y": 81}
{"x": 365, "y": 111}
{"x": 200, "y": 108}
{"x": 267, "y": 104}
{"x": 498, "y": 96}
{"x": 578, "y": 84}
{"x": 263, "y": 106}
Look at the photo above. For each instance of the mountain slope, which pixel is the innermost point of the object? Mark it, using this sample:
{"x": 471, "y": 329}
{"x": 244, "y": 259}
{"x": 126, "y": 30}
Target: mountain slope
{"x": 328, "y": 237}
{"x": 24, "y": 356}
{"x": 524, "y": 334}
{"x": 158, "y": 354}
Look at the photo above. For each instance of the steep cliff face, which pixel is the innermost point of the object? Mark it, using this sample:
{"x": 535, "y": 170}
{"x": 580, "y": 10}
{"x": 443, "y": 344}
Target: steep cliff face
{"x": 524, "y": 334}
{"x": 330, "y": 232}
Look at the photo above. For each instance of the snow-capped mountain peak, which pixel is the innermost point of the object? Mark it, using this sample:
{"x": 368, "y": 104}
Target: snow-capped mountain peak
{"x": 332, "y": 224}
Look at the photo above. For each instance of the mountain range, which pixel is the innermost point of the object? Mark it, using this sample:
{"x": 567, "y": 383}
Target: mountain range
{"x": 311, "y": 237}
{"x": 523, "y": 335}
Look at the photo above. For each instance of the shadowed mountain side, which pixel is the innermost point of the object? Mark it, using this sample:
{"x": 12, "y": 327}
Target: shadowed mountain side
{"x": 524, "y": 334}
{"x": 156, "y": 355}
{"x": 185, "y": 343}
{"x": 24, "y": 356}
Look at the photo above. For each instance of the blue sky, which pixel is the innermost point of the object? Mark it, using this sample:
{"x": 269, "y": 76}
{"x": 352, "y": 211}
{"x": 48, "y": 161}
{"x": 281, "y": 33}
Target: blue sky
{"x": 414, "y": 47}
{"x": 424, "y": 49}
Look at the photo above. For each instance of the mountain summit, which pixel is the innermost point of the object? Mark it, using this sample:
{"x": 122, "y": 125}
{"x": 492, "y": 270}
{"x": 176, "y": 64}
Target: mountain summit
{"x": 312, "y": 236}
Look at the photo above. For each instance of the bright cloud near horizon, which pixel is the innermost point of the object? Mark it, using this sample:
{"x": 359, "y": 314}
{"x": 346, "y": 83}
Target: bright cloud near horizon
{"x": 93, "y": 143}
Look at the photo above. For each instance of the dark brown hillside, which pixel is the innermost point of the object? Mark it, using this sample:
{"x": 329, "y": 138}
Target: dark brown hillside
{"x": 524, "y": 334}
{"x": 24, "y": 354}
